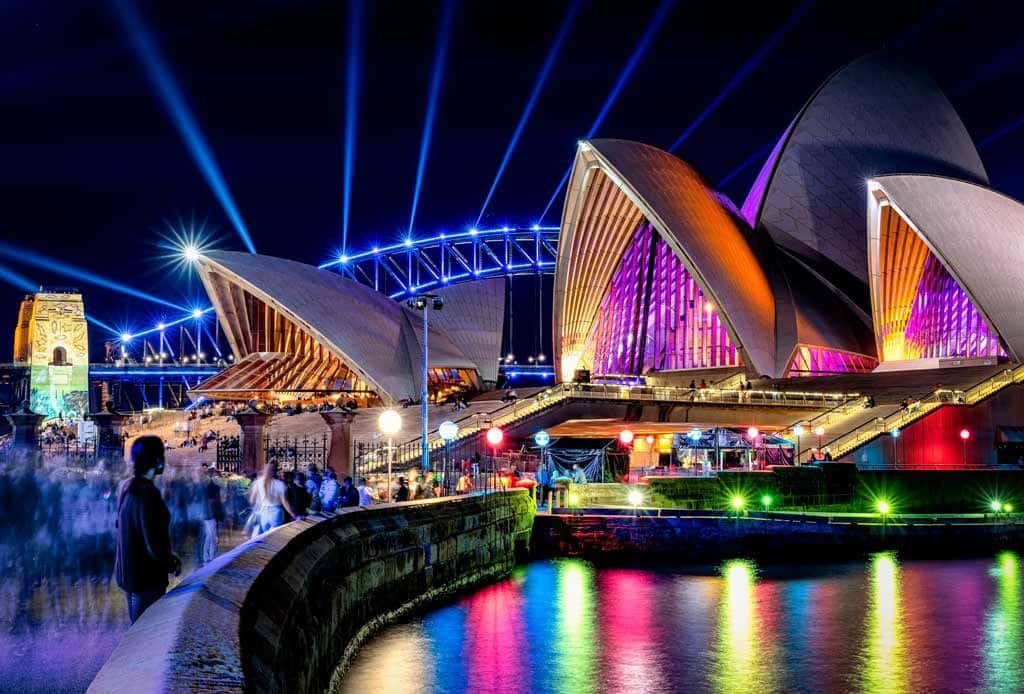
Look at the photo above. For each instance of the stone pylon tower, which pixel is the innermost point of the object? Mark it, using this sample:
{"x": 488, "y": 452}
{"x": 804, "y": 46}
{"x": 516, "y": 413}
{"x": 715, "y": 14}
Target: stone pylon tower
{"x": 52, "y": 339}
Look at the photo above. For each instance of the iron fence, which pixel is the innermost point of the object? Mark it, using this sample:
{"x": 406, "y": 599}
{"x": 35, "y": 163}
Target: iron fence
{"x": 296, "y": 453}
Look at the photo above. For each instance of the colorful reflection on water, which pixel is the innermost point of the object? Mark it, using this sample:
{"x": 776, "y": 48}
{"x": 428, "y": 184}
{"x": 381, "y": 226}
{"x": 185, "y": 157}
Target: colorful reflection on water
{"x": 565, "y": 626}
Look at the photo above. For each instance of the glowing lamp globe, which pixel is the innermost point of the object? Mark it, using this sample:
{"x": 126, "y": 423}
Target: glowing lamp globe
{"x": 1007, "y": 508}
{"x": 996, "y": 505}
{"x": 694, "y": 435}
{"x": 494, "y": 436}
{"x": 636, "y": 497}
{"x": 625, "y": 437}
{"x": 737, "y": 502}
{"x": 819, "y": 431}
{"x": 964, "y": 434}
{"x": 542, "y": 438}
{"x": 752, "y": 432}
{"x": 798, "y": 430}
{"x": 389, "y": 422}
{"x": 650, "y": 440}
{"x": 766, "y": 500}
{"x": 447, "y": 430}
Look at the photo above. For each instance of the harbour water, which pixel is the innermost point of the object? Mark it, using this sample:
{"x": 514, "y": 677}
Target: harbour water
{"x": 881, "y": 624}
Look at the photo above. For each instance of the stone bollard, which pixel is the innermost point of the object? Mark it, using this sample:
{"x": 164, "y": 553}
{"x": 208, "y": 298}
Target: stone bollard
{"x": 253, "y": 423}
{"x": 339, "y": 420}
{"x": 109, "y": 426}
{"x": 25, "y": 424}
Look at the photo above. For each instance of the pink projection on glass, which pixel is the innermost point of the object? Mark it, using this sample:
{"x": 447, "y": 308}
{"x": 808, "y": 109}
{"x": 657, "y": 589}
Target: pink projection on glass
{"x": 819, "y": 361}
{"x": 944, "y": 322}
{"x": 656, "y": 318}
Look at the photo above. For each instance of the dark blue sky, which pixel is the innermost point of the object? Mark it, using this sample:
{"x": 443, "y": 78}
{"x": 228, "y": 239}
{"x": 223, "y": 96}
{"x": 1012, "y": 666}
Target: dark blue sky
{"x": 91, "y": 165}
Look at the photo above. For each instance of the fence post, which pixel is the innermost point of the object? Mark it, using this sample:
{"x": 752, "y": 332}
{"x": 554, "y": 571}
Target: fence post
{"x": 25, "y": 424}
{"x": 253, "y": 454}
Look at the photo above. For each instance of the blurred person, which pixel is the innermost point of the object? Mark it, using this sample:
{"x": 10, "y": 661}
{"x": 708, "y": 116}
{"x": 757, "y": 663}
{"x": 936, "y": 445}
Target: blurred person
{"x": 267, "y": 497}
{"x": 367, "y": 494}
{"x": 329, "y": 492}
{"x": 348, "y": 496}
{"x": 402, "y": 493}
{"x": 143, "y": 556}
{"x": 213, "y": 516}
{"x": 296, "y": 494}
{"x": 465, "y": 484}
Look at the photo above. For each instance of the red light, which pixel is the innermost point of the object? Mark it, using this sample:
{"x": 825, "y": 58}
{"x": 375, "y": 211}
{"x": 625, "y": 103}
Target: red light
{"x": 752, "y": 432}
{"x": 494, "y": 436}
{"x": 626, "y": 437}
{"x": 964, "y": 434}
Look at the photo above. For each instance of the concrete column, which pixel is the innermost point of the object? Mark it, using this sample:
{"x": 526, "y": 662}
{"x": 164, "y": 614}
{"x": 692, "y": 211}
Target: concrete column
{"x": 253, "y": 423}
{"x": 340, "y": 423}
{"x": 25, "y": 424}
{"x": 109, "y": 426}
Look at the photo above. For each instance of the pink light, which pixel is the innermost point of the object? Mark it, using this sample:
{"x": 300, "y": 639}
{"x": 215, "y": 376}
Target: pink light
{"x": 752, "y": 432}
{"x": 964, "y": 434}
{"x": 494, "y": 436}
{"x": 626, "y": 437}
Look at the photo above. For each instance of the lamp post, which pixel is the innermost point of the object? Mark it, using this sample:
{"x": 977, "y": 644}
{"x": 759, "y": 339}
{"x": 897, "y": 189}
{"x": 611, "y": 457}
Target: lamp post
{"x": 798, "y": 431}
{"x": 753, "y": 433}
{"x": 964, "y": 435}
{"x": 389, "y": 423}
{"x": 494, "y": 437}
{"x": 895, "y": 436}
{"x": 819, "y": 431}
{"x": 197, "y": 314}
{"x": 447, "y": 430}
{"x": 424, "y": 302}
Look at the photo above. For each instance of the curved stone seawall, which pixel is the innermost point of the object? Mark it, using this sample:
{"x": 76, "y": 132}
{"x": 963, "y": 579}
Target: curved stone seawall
{"x": 706, "y": 537}
{"x": 286, "y": 612}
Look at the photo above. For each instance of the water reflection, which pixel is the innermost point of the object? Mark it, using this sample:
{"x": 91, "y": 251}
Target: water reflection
{"x": 565, "y": 626}
{"x": 1004, "y": 671}
{"x": 883, "y": 651}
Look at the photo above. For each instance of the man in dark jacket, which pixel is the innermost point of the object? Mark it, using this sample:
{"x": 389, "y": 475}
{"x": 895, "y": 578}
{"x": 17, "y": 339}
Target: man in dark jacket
{"x": 143, "y": 556}
{"x": 349, "y": 494}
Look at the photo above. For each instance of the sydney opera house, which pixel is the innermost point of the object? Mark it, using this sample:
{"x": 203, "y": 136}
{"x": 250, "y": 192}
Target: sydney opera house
{"x": 870, "y": 240}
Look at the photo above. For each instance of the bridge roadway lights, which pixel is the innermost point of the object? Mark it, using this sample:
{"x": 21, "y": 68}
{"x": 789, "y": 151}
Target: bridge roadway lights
{"x": 253, "y": 423}
{"x": 25, "y": 425}
{"x": 339, "y": 421}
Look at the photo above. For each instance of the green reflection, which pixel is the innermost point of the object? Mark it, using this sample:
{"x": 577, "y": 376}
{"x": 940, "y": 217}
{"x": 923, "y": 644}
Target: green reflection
{"x": 883, "y": 653}
{"x": 574, "y": 656}
{"x": 741, "y": 660}
{"x": 1003, "y": 651}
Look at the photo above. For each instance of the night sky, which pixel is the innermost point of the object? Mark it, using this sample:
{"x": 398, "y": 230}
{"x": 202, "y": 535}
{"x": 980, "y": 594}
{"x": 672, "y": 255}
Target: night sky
{"x": 93, "y": 169}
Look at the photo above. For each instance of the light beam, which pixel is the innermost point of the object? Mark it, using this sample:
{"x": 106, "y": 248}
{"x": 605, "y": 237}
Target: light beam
{"x": 352, "y": 83}
{"x": 17, "y": 279}
{"x": 746, "y": 164}
{"x": 170, "y": 94}
{"x": 638, "y": 52}
{"x": 33, "y": 259}
{"x": 542, "y": 78}
{"x": 440, "y": 57}
{"x": 741, "y": 75}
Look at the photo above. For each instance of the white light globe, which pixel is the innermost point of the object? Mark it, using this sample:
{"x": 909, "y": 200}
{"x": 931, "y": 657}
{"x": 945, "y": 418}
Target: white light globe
{"x": 389, "y": 422}
{"x": 448, "y": 430}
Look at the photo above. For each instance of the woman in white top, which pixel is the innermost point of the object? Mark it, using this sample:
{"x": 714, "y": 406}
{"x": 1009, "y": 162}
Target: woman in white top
{"x": 267, "y": 498}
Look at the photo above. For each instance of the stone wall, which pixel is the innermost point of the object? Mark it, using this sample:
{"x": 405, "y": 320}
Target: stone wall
{"x": 286, "y": 612}
{"x": 707, "y": 537}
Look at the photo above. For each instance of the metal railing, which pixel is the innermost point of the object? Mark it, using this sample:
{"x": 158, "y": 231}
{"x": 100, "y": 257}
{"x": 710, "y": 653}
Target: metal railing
{"x": 857, "y": 437}
{"x": 710, "y": 395}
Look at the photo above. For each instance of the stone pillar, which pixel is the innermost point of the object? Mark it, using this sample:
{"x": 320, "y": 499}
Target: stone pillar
{"x": 25, "y": 424}
{"x": 109, "y": 426}
{"x": 340, "y": 423}
{"x": 253, "y": 424}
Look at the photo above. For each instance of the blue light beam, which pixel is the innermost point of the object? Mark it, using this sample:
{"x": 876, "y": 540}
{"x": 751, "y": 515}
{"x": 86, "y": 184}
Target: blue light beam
{"x": 1001, "y": 132}
{"x": 17, "y": 279}
{"x": 353, "y": 72}
{"x": 746, "y": 164}
{"x": 174, "y": 102}
{"x": 440, "y": 57}
{"x": 38, "y": 260}
{"x": 741, "y": 75}
{"x": 542, "y": 78}
{"x": 638, "y": 53}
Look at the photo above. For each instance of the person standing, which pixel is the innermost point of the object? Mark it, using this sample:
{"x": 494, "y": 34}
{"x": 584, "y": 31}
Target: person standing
{"x": 329, "y": 492}
{"x": 349, "y": 495}
{"x": 402, "y": 493}
{"x": 367, "y": 495}
{"x": 213, "y": 516}
{"x": 267, "y": 497}
{"x": 296, "y": 495}
{"x": 142, "y": 555}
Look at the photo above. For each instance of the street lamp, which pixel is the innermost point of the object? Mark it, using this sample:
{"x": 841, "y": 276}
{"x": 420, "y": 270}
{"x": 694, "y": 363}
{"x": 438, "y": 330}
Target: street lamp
{"x": 798, "y": 431}
{"x": 389, "y": 423}
{"x": 424, "y": 302}
{"x": 494, "y": 437}
{"x": 964, "y": 435}
{"x": 752, "y": 433}
{"x": 447, "y": 430}
{"x": 625, "y": 437}
{"x": 894, "y": 435}
{"x": 819, "y": 431}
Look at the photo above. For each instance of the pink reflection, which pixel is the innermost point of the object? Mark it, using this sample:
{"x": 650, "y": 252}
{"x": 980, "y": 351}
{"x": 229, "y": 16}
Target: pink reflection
{"x": 630, "y": 643}
{"x": 495, "y": 645}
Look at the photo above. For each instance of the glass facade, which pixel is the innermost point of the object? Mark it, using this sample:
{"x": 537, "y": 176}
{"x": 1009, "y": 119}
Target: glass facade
{"x": 655, "y": 317}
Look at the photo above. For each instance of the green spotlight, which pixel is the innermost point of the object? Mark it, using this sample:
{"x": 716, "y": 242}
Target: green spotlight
{"x": 766, "y": 500}
{"x": 1007, "y": 508}
{"x": 883, "y": 507}
{"x": 737, "y": 502}
{"x": 996, "y": 505}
